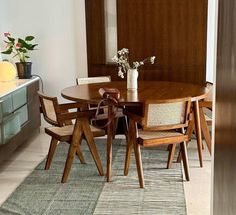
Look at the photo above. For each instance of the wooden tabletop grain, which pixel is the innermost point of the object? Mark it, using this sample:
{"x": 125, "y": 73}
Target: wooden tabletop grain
{"x": 154, "y": 90}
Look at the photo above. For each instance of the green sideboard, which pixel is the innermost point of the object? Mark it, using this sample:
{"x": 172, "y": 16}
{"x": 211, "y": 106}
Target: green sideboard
{"x": 19, "y": 114}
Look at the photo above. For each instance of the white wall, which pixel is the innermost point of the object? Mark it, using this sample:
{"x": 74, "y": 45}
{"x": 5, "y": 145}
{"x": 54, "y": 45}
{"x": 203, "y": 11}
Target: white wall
{"x": 211, "y": 72}
{"x": 211, "y": 39}
{"x": 59, "y": 28}
{"x": 2, "y": 21}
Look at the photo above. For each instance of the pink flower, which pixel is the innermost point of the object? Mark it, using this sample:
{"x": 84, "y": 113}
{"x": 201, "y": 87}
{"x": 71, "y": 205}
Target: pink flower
{"x": 18, "y": 45}
{"x": 7, "y": 34}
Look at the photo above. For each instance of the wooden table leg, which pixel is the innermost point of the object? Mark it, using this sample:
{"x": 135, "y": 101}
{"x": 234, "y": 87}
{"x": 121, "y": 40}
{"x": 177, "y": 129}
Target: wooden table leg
{"x": 110, "y": 130}
{"x": 129, "y": 147}
{"x": 77, "y": 135}
{"x": 198, "y": 130}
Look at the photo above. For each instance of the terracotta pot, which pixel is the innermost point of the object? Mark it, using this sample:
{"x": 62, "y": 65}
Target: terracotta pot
{"x": 24, "y": 69}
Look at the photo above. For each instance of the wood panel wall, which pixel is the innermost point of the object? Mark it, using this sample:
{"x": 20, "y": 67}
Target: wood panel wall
{"x": 174, "y": 31}
{"x": 224, "y": 197}
{"x": 95, "y": 31}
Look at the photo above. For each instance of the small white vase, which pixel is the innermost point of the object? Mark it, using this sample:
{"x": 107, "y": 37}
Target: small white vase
{"x": 132, "y": 79}
{"x": 132, "y": 95}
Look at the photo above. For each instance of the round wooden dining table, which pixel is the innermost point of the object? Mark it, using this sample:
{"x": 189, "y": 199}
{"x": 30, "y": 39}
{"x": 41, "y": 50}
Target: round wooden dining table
{"x": 147, "y": 90}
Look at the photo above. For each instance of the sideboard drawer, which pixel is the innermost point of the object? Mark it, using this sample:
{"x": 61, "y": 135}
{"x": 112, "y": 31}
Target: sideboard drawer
{"x": 6, "y": 106}
{"x": 19, "y": 98}
{"x": 23, "y": 114}
{"x": 9, "y": 127}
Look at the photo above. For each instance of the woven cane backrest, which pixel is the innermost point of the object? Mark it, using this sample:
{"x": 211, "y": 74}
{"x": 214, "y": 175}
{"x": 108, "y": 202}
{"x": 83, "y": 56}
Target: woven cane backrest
{"x": 93, "y": 80}
{"x": 166, "y": 115}
{"x": 49, "y": 105}
{"x": 210, "y": 92}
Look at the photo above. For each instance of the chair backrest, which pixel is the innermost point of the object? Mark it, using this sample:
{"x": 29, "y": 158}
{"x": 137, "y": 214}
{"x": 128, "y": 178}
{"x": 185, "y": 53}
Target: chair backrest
{"x": 209, "y": 97}
{"x": 166, "y": 115}
{"x": 49, "y": 106}
{"x": 92, "y": 80}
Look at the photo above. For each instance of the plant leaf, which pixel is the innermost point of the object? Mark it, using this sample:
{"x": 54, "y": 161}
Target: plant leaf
{"x": 23, "y": 44}
{"x": 27, "y": 57}
{"x": 7, "y": 42}
{"x": 11, "y": 39}
{"x": 29, "y": 38}
{"x": 23, "y": 50}
{"x": 8, "y": 51}
{"x": 32, "y": 47}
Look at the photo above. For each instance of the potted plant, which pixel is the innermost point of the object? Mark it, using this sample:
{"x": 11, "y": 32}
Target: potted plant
{"x": 20, "y": 49}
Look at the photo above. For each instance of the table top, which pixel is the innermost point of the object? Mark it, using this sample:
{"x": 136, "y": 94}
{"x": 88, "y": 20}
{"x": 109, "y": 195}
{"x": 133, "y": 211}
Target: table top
{"x": 155, "y": 90}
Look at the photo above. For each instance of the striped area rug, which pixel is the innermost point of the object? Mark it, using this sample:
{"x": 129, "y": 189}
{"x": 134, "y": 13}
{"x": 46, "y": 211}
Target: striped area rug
{"x": 87, "y": 193}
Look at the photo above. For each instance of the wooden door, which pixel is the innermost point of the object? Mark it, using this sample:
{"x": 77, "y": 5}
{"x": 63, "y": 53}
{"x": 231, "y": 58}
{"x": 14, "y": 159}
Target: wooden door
{"x": 224, "y": 198}
{"x": 174, "y": 31}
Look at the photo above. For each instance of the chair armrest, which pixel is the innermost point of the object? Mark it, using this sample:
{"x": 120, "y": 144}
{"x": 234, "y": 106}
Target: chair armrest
{"x": 65, "y": 116}
{"x": 66, "y": 106}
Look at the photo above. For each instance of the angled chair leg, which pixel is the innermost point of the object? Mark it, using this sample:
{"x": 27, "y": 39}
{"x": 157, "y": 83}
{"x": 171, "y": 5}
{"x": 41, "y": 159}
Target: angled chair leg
{"x": 205, "y": 130}
{"x": 137, "y": 153}
{"x": 185, "y": 159}
{"x": 125, "y": 126}
{"x": 131, "y": 135}
{"x": 77, "y": 135}
{"x": 51, "y": 152}
{"x": 138, "y": 160}
{"x": 92, "y": 147}
{"x": 115, "y": 127}
{"x": 171, "y": 155}
{"x": 79, "y": 153}
{"x": 127, "y": 157}
{"x": 189, "y": 133}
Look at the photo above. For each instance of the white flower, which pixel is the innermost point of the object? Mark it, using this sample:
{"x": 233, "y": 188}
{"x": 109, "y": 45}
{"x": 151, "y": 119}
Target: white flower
{"x": 152, "y": 59}
{"x": 115, "y": 59}
{"x": 122, "y": 60}
{"x": 123, "y": 51}
{"x": 136, "y": 64}
{"x": 120, "y": 73}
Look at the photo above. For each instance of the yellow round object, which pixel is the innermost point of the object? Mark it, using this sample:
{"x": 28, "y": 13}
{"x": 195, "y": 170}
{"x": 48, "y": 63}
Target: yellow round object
{"x": 7, "y": 71}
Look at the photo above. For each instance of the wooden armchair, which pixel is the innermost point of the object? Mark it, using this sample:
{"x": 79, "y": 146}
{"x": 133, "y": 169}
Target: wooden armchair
{"x": 95, "y": 80}
{"x": 161, "y": 121}
{"x": 62, "y": 129}
{"x": 104, "y": 115}
{"x": 204, "y": 117}
{"x": 205, "y": 120}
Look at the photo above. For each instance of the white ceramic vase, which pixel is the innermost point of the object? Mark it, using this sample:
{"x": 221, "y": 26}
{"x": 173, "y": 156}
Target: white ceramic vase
{"x": 132, "y": 79}
{"x": 132, "y": 95}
